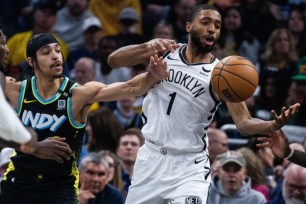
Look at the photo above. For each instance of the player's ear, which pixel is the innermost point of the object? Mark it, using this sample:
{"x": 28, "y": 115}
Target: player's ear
{"x": 30, "y": 61}
{"x": 188, "y": 27}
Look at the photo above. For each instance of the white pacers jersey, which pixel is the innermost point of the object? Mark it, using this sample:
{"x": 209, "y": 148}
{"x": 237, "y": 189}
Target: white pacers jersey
{"x": 178, "y": 110}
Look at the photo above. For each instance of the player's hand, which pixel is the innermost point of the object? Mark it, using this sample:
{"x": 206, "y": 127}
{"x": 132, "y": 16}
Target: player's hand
{"x": 285, "y": 116}
{"x": 277, "y": 142}
{"x": 158, "y": 67}
{"x": 32, "y": 145}
{"x": 84, "y": 193}
{"x": 160, "y": 45}
{"x": 54, "y": 148}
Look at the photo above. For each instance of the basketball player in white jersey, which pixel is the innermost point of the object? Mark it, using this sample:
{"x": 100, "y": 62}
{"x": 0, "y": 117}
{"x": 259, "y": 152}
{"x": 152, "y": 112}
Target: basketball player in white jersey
{"x": 173, "y": 166}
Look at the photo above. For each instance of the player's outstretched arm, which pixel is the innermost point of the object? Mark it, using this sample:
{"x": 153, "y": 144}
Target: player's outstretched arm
{"x": 248, "y": 125}
{"x": 278, "y": 143}
{"x": 135, "y": 54}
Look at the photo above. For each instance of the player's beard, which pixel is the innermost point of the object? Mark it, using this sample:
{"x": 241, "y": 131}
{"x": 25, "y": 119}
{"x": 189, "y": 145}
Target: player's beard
{"x": 196, "y": 40}
{"x": 289, "y": 199}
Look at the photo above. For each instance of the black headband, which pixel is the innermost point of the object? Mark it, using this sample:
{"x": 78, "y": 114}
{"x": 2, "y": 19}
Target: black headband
{"x": 38, "y": 41}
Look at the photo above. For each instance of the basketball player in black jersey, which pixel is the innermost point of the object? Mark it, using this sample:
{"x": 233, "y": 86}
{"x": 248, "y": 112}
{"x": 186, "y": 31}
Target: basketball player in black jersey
{"x": 57, "y": 109}
{"x": 15, "y": 134}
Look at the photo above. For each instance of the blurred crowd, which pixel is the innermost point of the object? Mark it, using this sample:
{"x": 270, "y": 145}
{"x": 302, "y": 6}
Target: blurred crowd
{"x": 270, "y": 33}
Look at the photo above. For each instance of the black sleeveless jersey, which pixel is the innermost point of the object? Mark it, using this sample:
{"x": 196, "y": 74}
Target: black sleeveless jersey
{"x": 49, "y": 118}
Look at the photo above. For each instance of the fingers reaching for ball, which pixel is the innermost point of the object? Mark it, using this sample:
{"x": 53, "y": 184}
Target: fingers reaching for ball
{"x": 158, "y": 67}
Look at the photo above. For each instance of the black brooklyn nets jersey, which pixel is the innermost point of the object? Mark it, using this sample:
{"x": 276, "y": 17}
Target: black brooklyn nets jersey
{"x": 49, "y": 118}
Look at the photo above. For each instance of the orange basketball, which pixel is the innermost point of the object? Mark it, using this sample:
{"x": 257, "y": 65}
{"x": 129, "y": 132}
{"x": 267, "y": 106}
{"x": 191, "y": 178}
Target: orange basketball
{"x": 234, "y": 79}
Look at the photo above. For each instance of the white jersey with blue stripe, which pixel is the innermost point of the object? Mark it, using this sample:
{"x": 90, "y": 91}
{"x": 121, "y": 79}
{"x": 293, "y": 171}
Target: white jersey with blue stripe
{"x": 178, "y": 110}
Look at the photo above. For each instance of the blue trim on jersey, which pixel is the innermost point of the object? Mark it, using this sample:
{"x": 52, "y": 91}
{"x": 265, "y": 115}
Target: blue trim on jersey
{"x": 72, "y": 87}
{"x": 53, "y": 98}
{"x": 21, "y": 96}
{"x": 69, "y": 111}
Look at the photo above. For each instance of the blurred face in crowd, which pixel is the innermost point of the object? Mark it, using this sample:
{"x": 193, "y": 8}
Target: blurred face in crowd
{"x": 294, "y": 186}
{"x": 163, "y": 31}
{"x": 296, "y": 22}
{"x": 44, "y": 19}
{"x": 111, "y": 164}
{"x": 128, "y": 147}
{"x": 232, "y": 20}
{"x": 49, "y": 61}
{"x": 4, "y": 51}
{"x": 299, "y": 92}
{"x": 232, "y": 176}
{"x": 91, "y": 38}
{"x": 94, "y": 177}
{"x": 84, "y": 70}
{"x": 106, "y": 47}
{"x": 217, "y": 142}
{"x": 77, "y": 7}
{"x": 183, "y": 8}
{"x": 282, "y": 43}
{"x": 127, "y": 103}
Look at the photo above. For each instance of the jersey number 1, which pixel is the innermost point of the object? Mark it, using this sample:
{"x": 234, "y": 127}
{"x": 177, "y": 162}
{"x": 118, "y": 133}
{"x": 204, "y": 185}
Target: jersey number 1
{"x": 171, "y": 102}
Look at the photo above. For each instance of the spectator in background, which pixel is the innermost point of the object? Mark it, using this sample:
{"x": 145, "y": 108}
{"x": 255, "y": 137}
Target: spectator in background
{"x": 163, "y": 30}
{"x": 102, "y": 130}
{"x": 129, "y": 143}
{"x": 297, "y": 93}
{"x": 43, "y": 19}
{"x": 128, "y": 23}
{"x": 94, "y": 188}
{"x": 297, "y": 25}
{"x": 255, "y": 171}
{"x": 237, "y": 40}
{"x": 279, "y": 60}
{"x": 217, "y": 143}
{"x": 69, "y": 21}
{"x": 91, "y": 33}
{"x": 108, "y": 13}
{"x": 293, "y": 187}
{"x": 260, "y": 20}
{"x": 104, "y": 73}
{"x": 115, "y": 174}
{"x": 5, "y": 159}
{"x": 232, "y": 185}
{"x": 178, "y": 16}
{"x": 126, "y": 114}
{"x": 84, "y": 72}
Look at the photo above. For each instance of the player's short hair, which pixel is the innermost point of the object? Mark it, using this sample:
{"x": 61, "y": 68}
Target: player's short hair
{"x": 195, "y": 10}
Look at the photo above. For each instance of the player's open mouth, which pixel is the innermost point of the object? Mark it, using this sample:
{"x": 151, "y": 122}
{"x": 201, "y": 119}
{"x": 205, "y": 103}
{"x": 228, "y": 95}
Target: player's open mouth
{"x": 209, "y": 40}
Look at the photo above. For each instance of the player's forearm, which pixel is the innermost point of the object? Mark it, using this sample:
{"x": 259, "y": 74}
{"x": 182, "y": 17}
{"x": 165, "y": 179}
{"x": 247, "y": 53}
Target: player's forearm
{"x": 130, "y": 55}
{"x": 298, "y": 158}
{"x": 254, "y": 126}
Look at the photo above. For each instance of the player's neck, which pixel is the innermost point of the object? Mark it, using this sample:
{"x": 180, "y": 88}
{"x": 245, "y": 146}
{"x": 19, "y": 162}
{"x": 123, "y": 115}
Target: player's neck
{"x": 47, "y": 88}
{"x": 192, "y": 55}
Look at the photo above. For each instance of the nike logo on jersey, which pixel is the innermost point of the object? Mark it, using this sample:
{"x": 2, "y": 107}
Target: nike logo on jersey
{"x": 198, "y": 161}
{"x": 168, "y": 57}
{"x": 26, "y": 101}
{"x": 206, "y": 70}
{"x": 42, "y": 121}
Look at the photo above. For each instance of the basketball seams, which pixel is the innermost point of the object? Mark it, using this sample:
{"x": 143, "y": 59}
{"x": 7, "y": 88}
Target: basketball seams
{"x": 239, "y": 77}
{"x": 229, "y": 86}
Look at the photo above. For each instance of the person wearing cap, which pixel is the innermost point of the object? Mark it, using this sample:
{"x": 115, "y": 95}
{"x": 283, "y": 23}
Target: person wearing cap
{"x": 69, "y": 23}
{"x": 91, "y": 34}
{"x": 128, "y": 22}
{"x": 232, "y": 185}
{"x": 12, "y": 132}
{"x": 108, "y": 13}
{"x": 57, "y": 108}
{"x": 297, "y": 94}
{"x": 44, "y": 12}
